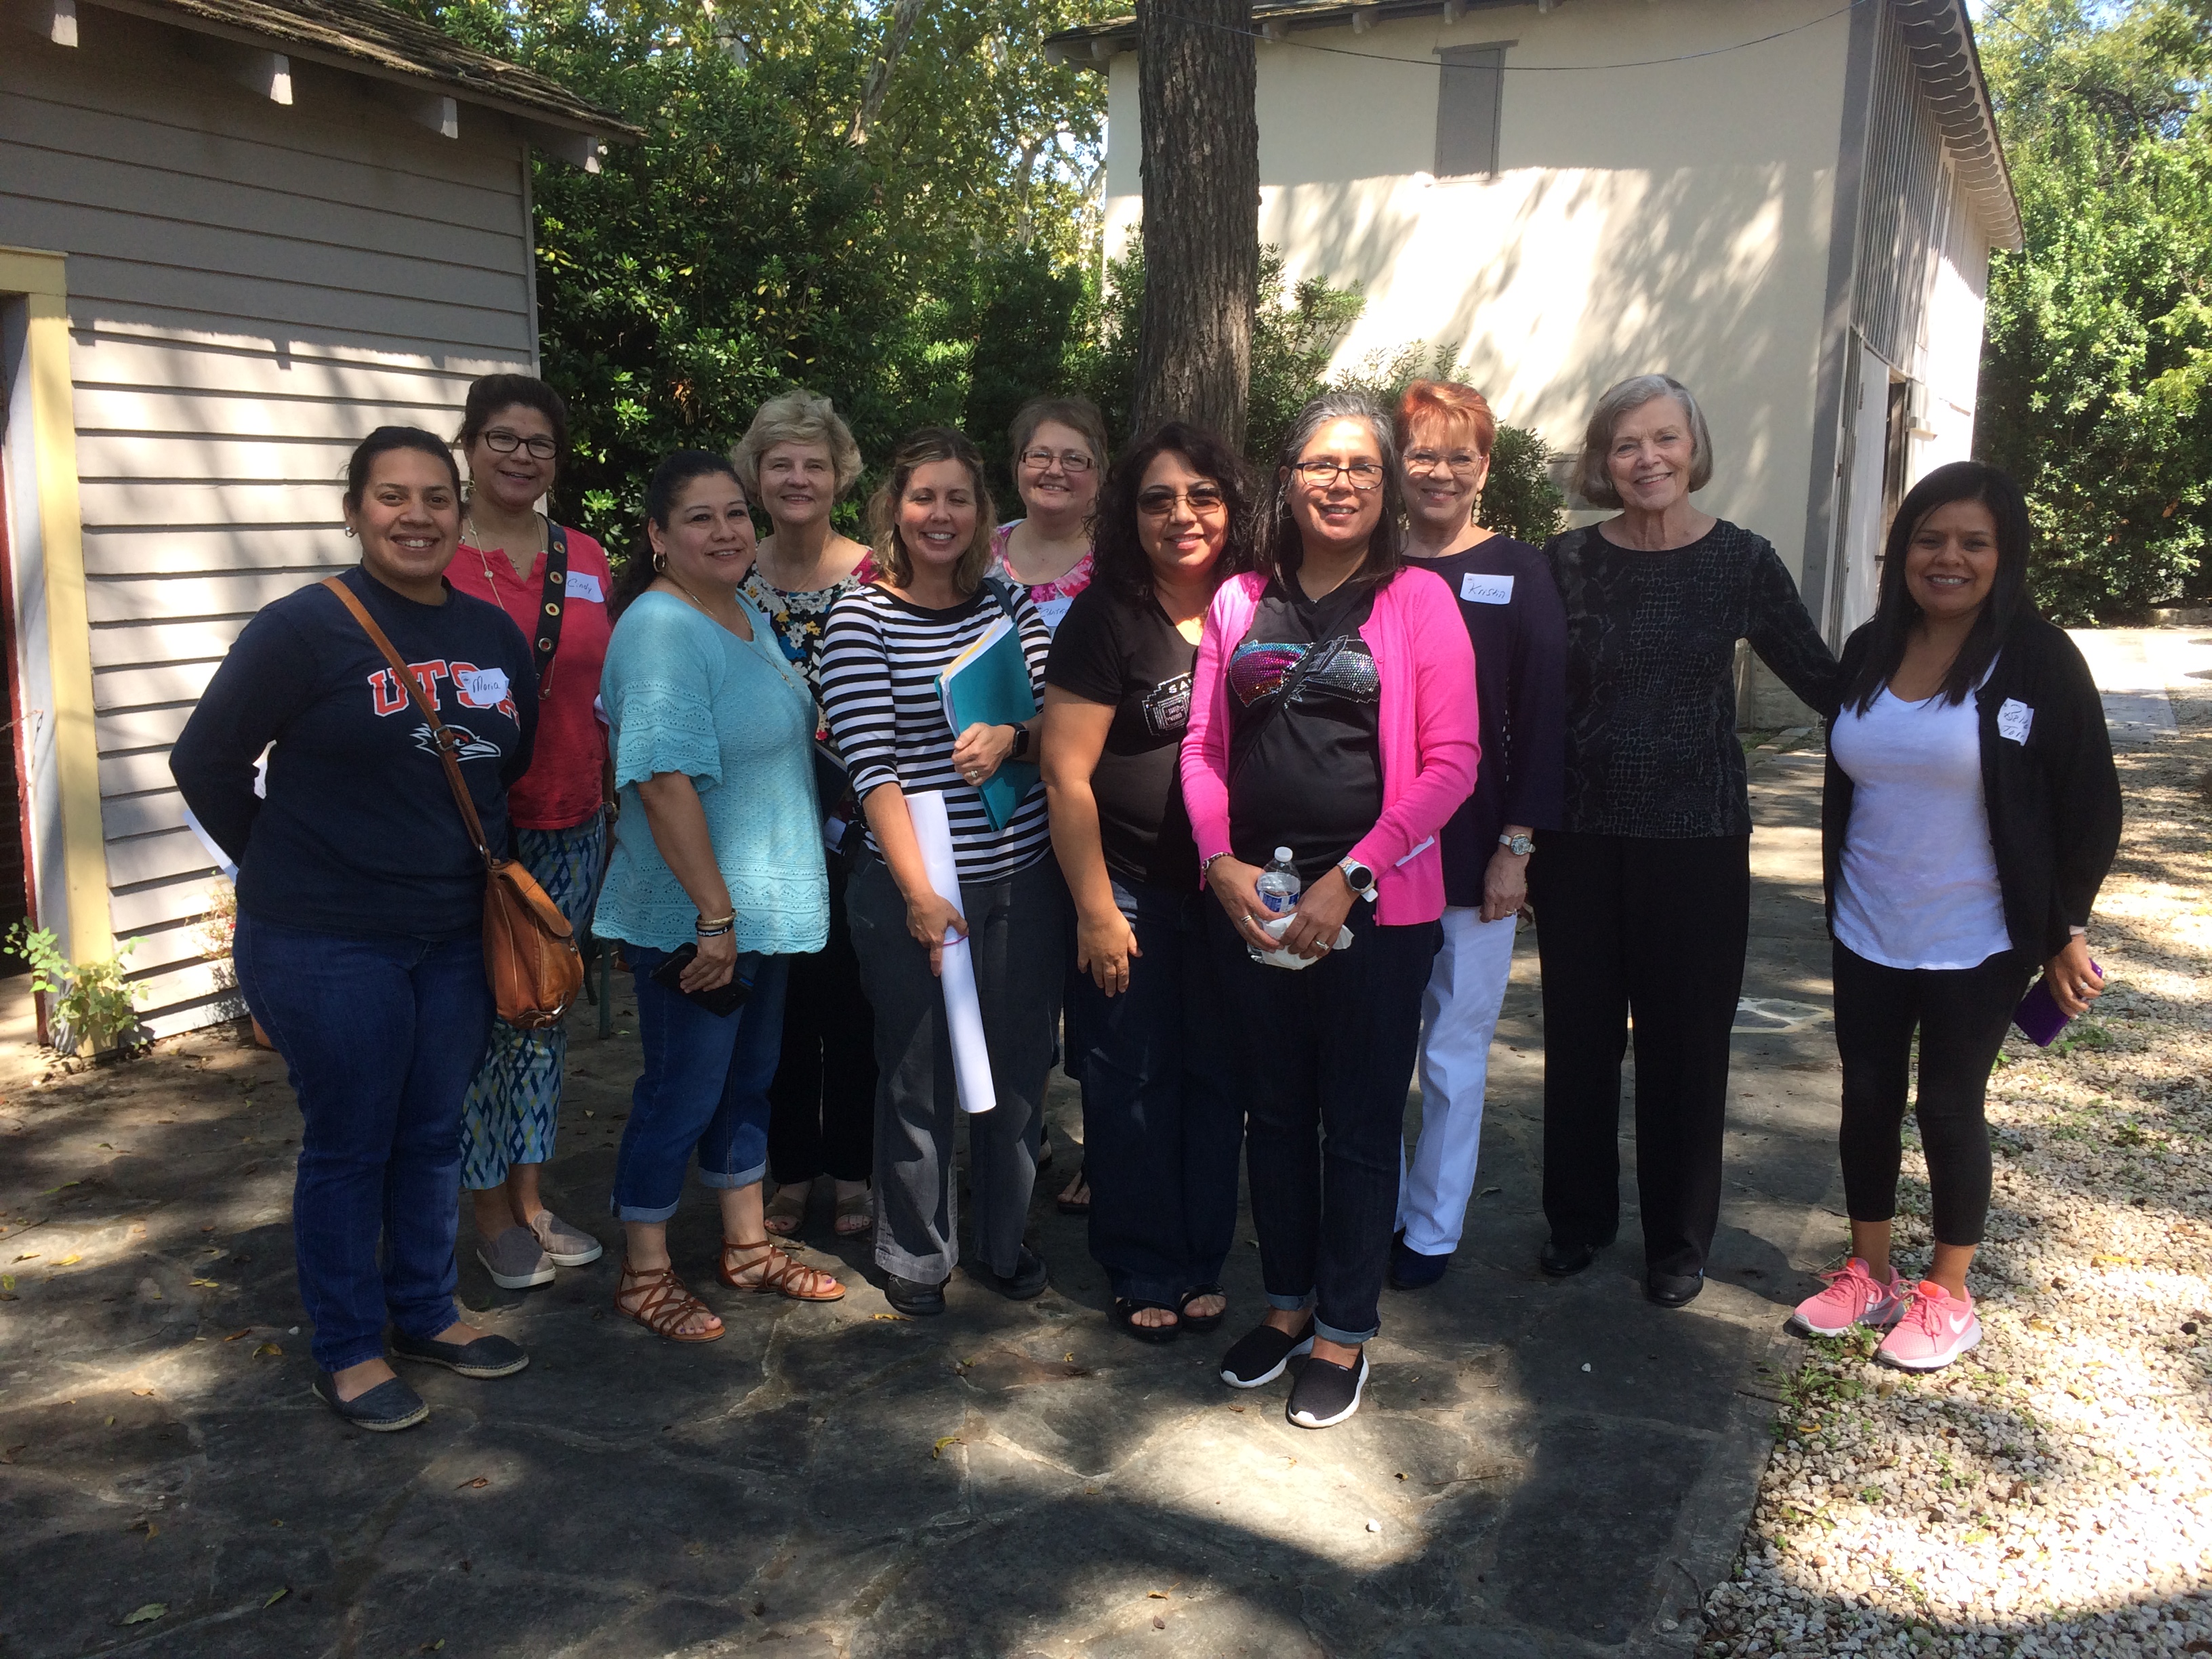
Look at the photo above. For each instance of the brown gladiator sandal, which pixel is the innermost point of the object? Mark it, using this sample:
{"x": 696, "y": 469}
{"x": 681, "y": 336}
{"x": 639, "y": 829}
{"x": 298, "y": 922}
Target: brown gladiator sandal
{"x": 778, "y": 1273}
{"x": 664, "y": 1304}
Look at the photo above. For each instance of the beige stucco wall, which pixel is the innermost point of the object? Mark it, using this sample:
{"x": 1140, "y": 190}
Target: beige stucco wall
{"x": 1672, "y": 218}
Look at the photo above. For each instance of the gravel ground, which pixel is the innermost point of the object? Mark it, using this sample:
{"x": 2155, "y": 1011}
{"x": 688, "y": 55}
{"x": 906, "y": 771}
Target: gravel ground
{"x": 2050, "y": 1493}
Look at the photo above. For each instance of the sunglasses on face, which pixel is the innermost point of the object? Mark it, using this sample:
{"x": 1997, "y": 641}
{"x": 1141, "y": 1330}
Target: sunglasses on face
{"x": 501, "y": 441}
{"x": 1071, "y": 460}
{"x": 1204, "y": 500}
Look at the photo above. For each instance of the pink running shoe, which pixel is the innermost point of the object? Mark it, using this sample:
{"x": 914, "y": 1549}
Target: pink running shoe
{"x": 1852, "y": 1298}
{"x": 1937, "y": 1328}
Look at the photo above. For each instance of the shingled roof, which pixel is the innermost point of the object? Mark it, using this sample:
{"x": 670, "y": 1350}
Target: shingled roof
{"x": 372, "y": 39}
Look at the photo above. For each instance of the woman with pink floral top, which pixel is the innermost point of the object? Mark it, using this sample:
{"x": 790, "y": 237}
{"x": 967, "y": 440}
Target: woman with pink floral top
{"x": 1058, "y": 457}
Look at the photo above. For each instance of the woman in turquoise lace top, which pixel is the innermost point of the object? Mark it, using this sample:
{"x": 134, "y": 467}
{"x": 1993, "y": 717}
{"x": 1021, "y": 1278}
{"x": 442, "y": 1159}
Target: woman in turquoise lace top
{"x": 713, "y": 742}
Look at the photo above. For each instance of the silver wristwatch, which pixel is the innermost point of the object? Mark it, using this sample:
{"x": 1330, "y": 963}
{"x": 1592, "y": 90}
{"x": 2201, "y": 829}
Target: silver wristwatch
{"x": 1519, "y": 846}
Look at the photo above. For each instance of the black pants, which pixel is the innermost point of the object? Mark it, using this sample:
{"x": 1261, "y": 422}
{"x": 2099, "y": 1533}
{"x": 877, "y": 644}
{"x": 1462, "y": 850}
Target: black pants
{"x": 1630, "y": 924}
{"x": 821, "y": 1106}
{"x": 1962, "y": 1015}
{"x": 1161, "y": 1125}
{"x": 1327, "y": 1058}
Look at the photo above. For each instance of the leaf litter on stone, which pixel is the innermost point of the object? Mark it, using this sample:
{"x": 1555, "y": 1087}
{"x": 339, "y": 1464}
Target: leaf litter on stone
{"x": 147, "y": 1614}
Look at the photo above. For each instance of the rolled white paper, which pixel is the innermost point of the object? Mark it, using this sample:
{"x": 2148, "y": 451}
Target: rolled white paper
{"x": 963, "y": 1012}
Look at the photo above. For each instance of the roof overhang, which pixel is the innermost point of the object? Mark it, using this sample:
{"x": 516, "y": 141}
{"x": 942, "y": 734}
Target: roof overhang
{"x": 423, "y": 69}
{"x": 1938, "y": 36}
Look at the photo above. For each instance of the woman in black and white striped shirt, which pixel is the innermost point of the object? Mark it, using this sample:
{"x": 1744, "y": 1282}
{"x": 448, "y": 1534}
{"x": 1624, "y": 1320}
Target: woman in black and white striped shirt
{"x": 881, "y": 654}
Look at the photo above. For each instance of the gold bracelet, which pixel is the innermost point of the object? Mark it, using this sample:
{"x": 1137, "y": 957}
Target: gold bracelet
{"x": 718, "y": 922}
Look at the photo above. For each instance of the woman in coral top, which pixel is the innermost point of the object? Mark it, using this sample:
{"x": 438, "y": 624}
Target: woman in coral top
{"x": 1333, "y": 714}
{"x": 514, "y": 432}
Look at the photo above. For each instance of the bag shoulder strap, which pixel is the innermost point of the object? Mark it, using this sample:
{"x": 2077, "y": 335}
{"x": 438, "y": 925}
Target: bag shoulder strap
{"x": 1002, "y": 590}
{"x": 552, "y": 601}
{"x": 439, "y": 733}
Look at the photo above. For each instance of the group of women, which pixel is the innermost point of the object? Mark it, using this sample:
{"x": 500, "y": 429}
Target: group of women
{"x": 1307, "y": 748}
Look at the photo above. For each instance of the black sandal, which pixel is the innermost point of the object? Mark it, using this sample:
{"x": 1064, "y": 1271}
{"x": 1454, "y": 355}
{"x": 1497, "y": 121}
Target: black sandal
{"x": 1126, "y": 1309}
{"x": 1191, "y": 1322}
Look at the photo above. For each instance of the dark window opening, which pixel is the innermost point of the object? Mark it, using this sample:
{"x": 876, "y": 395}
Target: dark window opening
{"x": 1470, "y": 93}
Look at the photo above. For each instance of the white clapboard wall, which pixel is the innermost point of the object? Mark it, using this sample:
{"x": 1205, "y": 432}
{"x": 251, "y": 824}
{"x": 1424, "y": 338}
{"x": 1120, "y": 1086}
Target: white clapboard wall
{"x": 252, "y": 288}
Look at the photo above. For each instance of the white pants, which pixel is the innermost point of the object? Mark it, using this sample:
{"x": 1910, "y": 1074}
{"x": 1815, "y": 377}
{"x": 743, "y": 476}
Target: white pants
{"x": 1459, "y": 1015}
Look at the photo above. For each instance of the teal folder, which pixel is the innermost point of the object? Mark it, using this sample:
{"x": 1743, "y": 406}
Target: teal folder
{"x": 989, "y": 684}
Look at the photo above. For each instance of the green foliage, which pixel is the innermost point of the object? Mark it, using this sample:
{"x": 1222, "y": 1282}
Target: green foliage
{"x": 1296, "y": 331}
{"x": 2096, "y": 388}
{"x": 97, "y": 1007}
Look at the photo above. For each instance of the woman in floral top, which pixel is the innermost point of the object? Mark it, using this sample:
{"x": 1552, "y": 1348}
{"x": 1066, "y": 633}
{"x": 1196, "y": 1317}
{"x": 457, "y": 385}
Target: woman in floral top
{"x": 794, "y": 461}
{"x": 1059, "y": 456}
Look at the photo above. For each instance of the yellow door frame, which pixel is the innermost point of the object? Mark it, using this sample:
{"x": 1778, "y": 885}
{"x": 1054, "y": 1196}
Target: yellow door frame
{"x": 41, "y": 279}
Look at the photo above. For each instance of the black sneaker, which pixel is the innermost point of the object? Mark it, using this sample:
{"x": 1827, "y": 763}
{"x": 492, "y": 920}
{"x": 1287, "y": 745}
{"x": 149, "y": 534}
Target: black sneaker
{"x": 1258, "y": 1357}
{"x": 912, "y": 1297}
{"x": 1027, "y": 1278}
{"x": 1326, "y": 1393}
{"x": 386, "y": 1408}
{"x": 485, "y": 1358}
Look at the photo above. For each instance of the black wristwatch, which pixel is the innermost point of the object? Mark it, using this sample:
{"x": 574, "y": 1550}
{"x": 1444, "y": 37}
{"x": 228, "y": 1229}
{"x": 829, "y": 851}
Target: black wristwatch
{"x": 1357, "y": 876}
{"x": 1021, "y": 743}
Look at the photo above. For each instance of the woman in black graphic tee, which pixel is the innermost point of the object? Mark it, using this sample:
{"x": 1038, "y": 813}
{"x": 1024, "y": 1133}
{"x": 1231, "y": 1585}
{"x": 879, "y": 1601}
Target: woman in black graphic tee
{"x": 1643, "y": 896}
{"x": 359, "y": 908}
{"x": 1162, "y": 1129}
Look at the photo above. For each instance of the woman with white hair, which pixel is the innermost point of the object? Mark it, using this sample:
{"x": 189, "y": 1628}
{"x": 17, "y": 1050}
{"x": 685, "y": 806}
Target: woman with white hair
{"x": 794, "y": 461}
{"x": 1643, "y": 896}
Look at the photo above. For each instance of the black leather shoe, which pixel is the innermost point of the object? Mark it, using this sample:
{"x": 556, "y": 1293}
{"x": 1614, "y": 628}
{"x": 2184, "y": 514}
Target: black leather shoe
{"x": 485, "y": 1358}
{"x": 1410, "y": 1270}
{"x": 1674, "y": 1290}
{"x": 1027, "y": 1278}
{"x": 1565, "y": 1261}
{"x": 912, "y": 1297}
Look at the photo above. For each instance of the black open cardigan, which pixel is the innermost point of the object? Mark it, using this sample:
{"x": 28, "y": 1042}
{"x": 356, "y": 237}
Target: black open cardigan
{"x": 2053, "y": 800}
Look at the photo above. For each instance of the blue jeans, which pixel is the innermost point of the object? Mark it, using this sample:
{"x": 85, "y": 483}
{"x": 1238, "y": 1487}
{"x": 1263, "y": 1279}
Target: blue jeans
{"x": 704, "y": 1086}
{"x": 380, "y": 1036}
{"x": 1162, "y": 1123}
{"x": 1327, "y": 1057}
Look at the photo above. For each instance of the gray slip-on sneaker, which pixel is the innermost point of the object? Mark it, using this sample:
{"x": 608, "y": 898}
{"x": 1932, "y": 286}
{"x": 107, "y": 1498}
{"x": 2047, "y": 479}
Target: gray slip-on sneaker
{"x": 570, "y": 1247}
{"x": 516, "y": 1259}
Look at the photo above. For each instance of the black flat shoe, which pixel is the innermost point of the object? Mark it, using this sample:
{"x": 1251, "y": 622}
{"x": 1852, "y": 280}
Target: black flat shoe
{"x": 1674, "y": 1290}
{"x": 1027, "y": 1278}
{"x": 1125, "y": 1306}
{"x": 1206, "y": 1322}
{"x": 913, "y": 1299}
{"x": 485, "y": 1358}
{"x": 386, "y": 1408}
{"x": 1258, "y": 1357}
{"x": 1410, "y": 1270}
{"x": 1326, "y": 1393}
{"x": 1565, "y": 1261}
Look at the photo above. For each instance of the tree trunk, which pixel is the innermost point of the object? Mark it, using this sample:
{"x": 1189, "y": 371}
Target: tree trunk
{"x": 904, "y": 17}
{"x": 1195, "y": 86}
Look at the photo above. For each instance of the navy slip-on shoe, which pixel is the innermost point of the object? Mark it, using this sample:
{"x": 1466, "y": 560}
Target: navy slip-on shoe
{"x": 1410, "y": 1270}
{"x": 387, "y": 1407}
{"x": 485, "y": 1358}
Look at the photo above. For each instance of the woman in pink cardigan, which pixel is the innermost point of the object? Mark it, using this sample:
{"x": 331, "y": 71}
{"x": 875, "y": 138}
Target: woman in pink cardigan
{"x": 1332, "y": 713}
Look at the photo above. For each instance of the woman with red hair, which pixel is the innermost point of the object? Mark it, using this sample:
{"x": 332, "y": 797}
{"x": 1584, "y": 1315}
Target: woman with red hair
{"x": 1507, "y": 599}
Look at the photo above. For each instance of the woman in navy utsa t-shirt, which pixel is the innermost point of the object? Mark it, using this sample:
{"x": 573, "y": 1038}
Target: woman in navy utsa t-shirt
{"x": 359, "y": 908}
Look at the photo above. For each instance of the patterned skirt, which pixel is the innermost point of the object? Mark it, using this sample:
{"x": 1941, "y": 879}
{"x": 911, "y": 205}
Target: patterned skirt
{"x": 513, "y": 1107}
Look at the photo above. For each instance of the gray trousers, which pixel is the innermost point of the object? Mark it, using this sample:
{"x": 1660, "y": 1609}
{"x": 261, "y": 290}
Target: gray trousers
{"x": 1017, "y": 934}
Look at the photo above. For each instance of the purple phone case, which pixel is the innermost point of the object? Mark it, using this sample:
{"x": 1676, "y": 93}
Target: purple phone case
{"x": 2040, "y": 1017}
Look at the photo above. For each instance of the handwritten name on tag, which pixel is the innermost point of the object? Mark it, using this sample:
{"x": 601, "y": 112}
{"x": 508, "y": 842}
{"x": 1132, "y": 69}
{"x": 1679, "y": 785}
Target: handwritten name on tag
{"x": 1053, "y": 610}
{"x": 484, "y": 687}
{"x": 583, "y": 585}
{"x": 1478, "y": 589}
{"x": 2013, "y": 718}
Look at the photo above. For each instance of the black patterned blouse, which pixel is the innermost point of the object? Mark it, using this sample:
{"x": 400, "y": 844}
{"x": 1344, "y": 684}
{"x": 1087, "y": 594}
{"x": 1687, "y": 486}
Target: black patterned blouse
{"x": 1651, "y": 704}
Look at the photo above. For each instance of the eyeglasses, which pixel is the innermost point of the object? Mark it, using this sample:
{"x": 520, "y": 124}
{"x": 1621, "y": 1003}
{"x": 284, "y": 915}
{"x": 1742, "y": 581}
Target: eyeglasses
{"x": 1204, "y": 500}
{"x": 1071, "y": 460}
{"x": 1462, "y": 463}
{"x": 1321, "y": 474}
{"x": 501, "y": 441}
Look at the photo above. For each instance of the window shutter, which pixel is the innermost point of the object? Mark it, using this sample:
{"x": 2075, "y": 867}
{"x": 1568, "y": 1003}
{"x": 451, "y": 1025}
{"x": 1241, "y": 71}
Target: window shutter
{"x": 1471, "y": 90}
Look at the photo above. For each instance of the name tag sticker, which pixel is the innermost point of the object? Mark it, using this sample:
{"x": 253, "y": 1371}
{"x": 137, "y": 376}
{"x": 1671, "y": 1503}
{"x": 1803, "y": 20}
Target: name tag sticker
{"x": 1053, "y": 610}
{"x": 583, "y": 585}
{"x": 1478, "y": 589}
{"x": 2013, "y": 718}
{"x": 484, "y": 687}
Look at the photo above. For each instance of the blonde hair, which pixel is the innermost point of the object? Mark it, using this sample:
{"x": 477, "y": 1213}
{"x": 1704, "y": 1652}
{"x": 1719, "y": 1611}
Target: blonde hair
{"x": 1593, "y": 480}
{"x": 797, "y": 416}
{"x": 919, "y": 449}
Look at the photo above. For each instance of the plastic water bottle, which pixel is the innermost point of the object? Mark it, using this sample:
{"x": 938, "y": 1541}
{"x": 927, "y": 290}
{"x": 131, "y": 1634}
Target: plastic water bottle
{"x": 1280, "y": 888}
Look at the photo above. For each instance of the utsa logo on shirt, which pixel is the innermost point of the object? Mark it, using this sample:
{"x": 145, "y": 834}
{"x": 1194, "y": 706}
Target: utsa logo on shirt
{"x": 477, "y": 688}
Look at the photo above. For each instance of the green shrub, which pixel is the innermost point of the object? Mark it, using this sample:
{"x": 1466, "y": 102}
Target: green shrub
{"x": 97, "y": 1009}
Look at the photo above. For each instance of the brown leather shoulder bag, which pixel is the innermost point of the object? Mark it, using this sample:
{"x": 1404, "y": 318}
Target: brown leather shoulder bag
{"x": 530, "y": 950}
